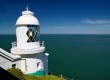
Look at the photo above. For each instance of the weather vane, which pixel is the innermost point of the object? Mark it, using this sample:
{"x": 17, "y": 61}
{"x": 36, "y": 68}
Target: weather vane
{"x": 27, "y": 7}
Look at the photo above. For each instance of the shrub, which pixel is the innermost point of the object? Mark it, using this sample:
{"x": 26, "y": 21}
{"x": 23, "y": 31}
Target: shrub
{"x": 16, "y": 72}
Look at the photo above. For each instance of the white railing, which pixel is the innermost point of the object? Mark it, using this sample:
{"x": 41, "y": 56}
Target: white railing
{"x": 14, "y": 44}
{"x": 9, "y": 55}
{"x": 42, "y": 44}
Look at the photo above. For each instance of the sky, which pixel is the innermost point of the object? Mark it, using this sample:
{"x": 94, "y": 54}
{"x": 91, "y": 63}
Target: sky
{"x": 59, "y": 16}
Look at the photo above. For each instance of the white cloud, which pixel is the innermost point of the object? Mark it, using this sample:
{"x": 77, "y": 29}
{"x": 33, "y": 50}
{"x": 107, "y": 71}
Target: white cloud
{"x": 56, "y": 27}
{"x": 96, "y": 21}
{"x": 62, "y": 27}
{"x": 96, "y": 29}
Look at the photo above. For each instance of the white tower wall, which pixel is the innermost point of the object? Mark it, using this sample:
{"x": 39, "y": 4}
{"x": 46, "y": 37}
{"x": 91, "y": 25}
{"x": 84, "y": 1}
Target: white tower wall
{"x": 27, "y": 33}
{"x": 28, "y": 45}
{"x": 22, "y": 39}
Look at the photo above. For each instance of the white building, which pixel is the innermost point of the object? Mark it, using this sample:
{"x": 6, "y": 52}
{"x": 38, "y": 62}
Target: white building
{"x": 27, "y": 53}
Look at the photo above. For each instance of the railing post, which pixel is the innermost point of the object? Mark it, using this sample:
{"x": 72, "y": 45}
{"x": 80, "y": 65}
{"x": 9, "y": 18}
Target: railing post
{"x": 42, "y": 43}
{"x": 12, "y": 44}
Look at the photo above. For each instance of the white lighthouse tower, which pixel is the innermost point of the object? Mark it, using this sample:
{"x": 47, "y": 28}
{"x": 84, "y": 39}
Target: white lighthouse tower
{"x": 33, "y": 59}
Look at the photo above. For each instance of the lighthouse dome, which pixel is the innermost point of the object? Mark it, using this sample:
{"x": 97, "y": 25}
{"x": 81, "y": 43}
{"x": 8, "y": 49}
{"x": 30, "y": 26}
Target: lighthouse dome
{"x": 27, "y": 18}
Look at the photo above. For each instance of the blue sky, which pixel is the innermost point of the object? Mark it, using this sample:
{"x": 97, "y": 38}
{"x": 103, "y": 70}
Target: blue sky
{"x": 59, "y": 16}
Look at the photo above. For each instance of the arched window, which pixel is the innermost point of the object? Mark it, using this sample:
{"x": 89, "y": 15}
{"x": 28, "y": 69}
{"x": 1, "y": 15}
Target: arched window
{"x": 38, "y": 64}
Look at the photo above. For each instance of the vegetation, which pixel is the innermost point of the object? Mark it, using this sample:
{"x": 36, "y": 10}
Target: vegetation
{"x": 19, "y": 74}
{"x": 16, "y": 72}
{"x": 47, "y": 77}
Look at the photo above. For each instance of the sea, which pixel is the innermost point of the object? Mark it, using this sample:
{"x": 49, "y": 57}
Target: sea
{"x": 76, "y": 56}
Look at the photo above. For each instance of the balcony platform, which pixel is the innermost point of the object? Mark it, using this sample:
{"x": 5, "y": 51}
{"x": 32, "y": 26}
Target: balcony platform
{"x": 17, "y": 51}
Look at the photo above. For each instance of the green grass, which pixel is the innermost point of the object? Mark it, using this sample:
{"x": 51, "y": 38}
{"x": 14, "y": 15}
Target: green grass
{"x": 47, "y": 77}
{"x": 19, "y": 74}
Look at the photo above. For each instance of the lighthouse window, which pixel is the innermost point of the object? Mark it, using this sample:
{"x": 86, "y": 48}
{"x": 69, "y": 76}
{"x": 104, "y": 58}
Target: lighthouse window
{"x": 32, "y": 33}
{"x": 13, "y": 65}
{"x": 38, "y": 64}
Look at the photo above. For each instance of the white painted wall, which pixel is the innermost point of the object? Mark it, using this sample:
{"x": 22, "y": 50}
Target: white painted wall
{"x": 23, "y": 66}
{"x": 21, "y": 33}
{"x": 32, "y": 65}
{"x": 32, "y": 60}
{"x": 5, "y": 63}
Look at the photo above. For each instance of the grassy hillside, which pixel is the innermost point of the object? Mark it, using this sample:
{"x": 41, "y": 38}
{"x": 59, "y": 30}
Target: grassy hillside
{"x": 19, "y": 74}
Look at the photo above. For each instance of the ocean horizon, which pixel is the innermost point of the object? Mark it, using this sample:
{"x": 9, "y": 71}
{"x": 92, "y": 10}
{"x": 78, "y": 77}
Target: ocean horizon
{"x": 77, "y": 56}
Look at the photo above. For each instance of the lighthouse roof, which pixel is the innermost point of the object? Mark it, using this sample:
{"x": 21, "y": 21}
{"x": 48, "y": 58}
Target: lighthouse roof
{"x": 27, "y": 18}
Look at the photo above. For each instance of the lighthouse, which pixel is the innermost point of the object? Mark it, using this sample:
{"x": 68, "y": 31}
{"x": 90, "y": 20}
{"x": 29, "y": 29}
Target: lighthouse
{"x": 28, "y": 45}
